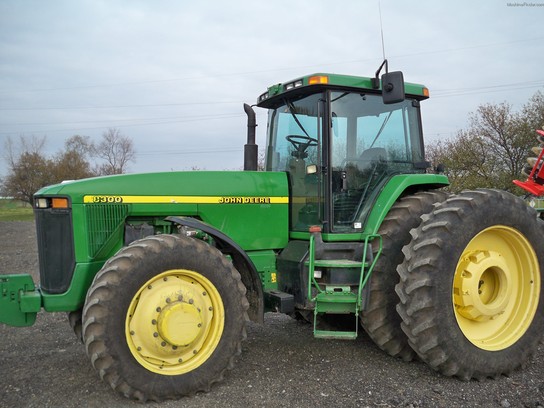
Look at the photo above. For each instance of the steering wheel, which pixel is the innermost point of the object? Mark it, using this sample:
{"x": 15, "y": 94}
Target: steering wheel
{"x": 301, "y": 143}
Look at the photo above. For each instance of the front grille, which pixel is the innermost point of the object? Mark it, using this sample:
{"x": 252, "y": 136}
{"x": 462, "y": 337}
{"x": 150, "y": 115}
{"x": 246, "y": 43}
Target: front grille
{"x": 102, "y": 221}
{"x": 55, "y": 248}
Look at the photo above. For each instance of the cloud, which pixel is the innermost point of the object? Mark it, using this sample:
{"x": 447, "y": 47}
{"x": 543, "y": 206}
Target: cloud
{"x": 173, "y": 75}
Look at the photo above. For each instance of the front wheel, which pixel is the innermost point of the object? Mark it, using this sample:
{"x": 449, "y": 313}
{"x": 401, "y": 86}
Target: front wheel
{"x": 164, "y": 318}
{"x": 470, "y": 285}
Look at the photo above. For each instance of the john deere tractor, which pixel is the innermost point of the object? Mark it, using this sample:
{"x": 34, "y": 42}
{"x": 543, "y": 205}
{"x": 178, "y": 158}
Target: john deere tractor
{"x": 347, "y": 224}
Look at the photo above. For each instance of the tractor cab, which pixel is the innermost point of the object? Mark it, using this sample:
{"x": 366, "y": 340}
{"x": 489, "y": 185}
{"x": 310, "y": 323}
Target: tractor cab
{"x": 340, "y": 142}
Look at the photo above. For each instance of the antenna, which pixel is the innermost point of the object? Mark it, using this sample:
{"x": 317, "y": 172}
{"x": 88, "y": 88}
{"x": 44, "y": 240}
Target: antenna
{"x": 376, "y": 80}
{"x": 381, "y": 27}
{"x": 392, "y": 83}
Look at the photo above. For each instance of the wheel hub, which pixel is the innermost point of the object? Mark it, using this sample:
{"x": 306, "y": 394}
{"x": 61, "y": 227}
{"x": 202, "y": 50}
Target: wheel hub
{"x": 180, "y": 323}
{"x": 175, "y": 322}
{"x": 482, "y": 289}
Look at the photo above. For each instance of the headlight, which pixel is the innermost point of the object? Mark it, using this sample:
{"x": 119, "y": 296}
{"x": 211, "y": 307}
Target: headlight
{"x": 41, "y": 203}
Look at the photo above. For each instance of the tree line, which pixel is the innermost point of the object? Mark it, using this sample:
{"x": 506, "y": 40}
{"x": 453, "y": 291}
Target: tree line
{"x": 492, "y": 151}
{"x": 489, "y": 153}
{"x": 30, "y": 169}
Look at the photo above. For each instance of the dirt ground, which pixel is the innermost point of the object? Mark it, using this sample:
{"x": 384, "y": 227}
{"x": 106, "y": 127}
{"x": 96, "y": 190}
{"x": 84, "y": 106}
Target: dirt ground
{"x": 282, "y": 365}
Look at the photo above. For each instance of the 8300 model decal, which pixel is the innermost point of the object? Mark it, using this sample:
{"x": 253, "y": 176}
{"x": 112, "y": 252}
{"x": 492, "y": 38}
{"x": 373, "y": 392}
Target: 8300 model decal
{"x": 105, "y": 199}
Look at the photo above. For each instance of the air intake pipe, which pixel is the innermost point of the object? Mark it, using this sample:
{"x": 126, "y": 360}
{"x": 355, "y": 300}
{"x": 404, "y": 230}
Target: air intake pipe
{"x": 250, "y": 148}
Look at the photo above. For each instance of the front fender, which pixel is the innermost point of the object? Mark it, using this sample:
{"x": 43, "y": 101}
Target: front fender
{"x": 240, "y": 260}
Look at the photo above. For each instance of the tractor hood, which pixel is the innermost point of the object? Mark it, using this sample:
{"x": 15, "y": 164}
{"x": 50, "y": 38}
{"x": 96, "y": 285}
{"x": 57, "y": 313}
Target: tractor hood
{"x": 209, "y": 184}
{"x": 250, "y": 207}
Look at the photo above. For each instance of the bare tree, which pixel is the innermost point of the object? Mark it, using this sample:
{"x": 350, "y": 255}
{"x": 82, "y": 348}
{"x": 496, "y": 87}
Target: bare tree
{"x": 29, "y": 169}
{"x": 13, "y": 150}
{"x": 72, "y": 163}
{"x": 492, "y": 151}
{"x": 467, "y": 160}
{"x": 82, "y": 145}
{"x": 116, "y": 150}
{"x": 533, "y": 112}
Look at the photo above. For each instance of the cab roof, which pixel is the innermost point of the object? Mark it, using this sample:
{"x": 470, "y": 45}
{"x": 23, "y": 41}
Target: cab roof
{"x": 331, "y": 81}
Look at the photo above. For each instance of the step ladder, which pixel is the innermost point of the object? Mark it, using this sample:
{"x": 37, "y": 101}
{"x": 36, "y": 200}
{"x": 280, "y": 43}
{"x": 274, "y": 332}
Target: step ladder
{"x": 338, "y": 298}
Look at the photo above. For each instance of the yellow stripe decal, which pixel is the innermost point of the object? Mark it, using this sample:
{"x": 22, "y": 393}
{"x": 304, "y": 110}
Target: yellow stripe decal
{"x": 117, "y": 199}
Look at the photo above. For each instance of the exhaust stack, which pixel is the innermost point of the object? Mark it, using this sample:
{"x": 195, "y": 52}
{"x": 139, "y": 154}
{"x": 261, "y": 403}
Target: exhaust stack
{"x": 250, "y": 148}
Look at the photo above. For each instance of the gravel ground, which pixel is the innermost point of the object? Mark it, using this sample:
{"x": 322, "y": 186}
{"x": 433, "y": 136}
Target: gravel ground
{"x": 282, "y": 365}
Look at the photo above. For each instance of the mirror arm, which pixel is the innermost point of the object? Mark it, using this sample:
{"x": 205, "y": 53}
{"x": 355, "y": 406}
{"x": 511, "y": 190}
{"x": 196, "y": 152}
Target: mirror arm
{"x": 376, "y": 79}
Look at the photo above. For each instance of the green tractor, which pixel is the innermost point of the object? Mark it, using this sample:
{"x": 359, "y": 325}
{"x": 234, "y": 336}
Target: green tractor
{"x": 347, "y": 227}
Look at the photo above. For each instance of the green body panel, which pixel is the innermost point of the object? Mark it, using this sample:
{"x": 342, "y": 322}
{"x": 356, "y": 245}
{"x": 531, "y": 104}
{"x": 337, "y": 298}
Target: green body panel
{"x": 265, "y": 263}
{"x": 74, "y": 297}
{"x": 395, "y": 187}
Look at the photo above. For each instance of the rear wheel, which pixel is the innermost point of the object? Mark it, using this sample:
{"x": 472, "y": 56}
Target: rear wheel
{"x": 164, "y": 318}
{"x": 380, "y": 319}
{"x": 470, "y": 285}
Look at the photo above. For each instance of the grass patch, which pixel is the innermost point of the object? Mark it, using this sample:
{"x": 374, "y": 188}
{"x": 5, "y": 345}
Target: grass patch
{"x": 15, "y": 210}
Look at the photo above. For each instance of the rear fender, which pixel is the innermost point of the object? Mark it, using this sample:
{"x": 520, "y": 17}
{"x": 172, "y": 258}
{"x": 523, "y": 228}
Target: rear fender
{"x": 240, "y": 260}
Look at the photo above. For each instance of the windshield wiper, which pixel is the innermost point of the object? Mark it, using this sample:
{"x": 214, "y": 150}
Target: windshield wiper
{"x": 292, "y": 110}
{"x": 381, "y": 129}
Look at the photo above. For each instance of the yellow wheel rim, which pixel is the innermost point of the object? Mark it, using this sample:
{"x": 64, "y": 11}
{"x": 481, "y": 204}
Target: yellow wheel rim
{"x": 174, "y": 322}
{"x": 496, "y": 288}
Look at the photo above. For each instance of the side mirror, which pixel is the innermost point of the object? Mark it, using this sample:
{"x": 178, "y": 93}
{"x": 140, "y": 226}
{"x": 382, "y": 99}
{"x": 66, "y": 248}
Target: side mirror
{"x": 393, "y": 87}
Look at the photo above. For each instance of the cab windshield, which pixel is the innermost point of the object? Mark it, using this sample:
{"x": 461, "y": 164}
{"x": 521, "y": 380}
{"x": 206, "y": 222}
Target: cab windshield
{"x": 339, "y": 148}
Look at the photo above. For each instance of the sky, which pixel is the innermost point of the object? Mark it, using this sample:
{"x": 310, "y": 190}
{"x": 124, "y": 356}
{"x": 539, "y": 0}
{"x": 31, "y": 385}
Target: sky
{"x": 173, "y": 75}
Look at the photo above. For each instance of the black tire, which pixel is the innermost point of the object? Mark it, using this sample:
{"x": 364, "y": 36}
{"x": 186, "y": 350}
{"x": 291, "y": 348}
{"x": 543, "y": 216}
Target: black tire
{"x": 74, "y": 319}
{"x": 470, "y": 285}
{"x": 186, "y": 278}
{"x": 380, "y": 319}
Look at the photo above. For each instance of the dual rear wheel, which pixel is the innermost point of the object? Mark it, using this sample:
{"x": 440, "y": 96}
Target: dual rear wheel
{"x": 465, "y": 296}
{"x": 470, "y": 285}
